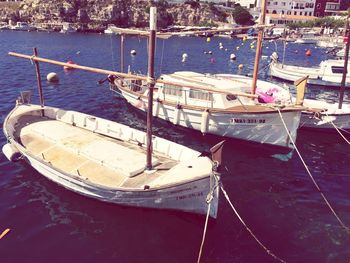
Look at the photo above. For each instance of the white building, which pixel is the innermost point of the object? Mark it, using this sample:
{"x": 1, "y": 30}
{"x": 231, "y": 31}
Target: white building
{"x": 291, "y": 7}
{"x": 245, "y": 3}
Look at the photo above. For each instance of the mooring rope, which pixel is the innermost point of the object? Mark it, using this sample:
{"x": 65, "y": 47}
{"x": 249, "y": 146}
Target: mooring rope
{"x": 204, "y": 234}
{"x": 312, "y": 178}
{"x": 338, "y": 129}
{"x": 248, "y": 229}
{"x": 209, "y": 198}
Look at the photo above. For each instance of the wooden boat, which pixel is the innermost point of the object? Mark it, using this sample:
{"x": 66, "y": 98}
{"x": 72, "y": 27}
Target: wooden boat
{"x": 105, "y": 160}
{"x": 215, "y": 104}
{"x": 328, "y": 73}
{"x": 108, "y": 161}
{"x": 319, "y": 115}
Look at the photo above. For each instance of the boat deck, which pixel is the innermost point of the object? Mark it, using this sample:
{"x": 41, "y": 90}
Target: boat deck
{"x": 99, "y": 159}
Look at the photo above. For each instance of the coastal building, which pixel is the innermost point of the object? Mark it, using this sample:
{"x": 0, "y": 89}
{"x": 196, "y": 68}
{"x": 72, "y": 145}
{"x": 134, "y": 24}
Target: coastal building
{"x": 246, "y": 3}
{"x": 291, "y": 7}
{"x": 279, "y": 19}
{"x": 330, "y": 7}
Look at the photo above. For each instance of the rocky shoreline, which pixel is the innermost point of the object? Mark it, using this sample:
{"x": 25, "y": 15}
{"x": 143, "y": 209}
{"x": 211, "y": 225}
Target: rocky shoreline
{"x": 95, "y": 15}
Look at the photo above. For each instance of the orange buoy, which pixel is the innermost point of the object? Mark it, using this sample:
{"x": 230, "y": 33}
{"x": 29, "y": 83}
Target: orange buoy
{"x": 69, "y": 62}
{"x": 308, "y": 53}
{"x": 240, "y": 66}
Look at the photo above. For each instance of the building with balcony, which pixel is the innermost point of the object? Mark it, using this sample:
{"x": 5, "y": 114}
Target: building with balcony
{"x": 330, "y": 7}
{"x": 291, "y": 7}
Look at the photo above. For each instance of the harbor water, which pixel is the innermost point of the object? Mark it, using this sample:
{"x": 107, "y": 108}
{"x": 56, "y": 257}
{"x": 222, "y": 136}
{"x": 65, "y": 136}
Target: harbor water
{"x": 272, "y": 193}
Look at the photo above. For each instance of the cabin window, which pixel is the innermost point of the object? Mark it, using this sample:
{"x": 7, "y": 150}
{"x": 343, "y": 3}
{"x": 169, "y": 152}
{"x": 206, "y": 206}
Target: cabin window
{"x": 231, "y": 97}
{"x": 337, "y": 69}
{"x": 172, "y": 90}
{"x": 200, "y": 95}
{"x": 136, "y": 85}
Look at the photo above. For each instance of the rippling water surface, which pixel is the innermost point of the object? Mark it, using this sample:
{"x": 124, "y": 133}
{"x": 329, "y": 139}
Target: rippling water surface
{"x": 276, "y": 198}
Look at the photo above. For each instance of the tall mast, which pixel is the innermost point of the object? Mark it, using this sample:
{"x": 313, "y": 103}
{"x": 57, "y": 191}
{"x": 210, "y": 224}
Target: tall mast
{"x": 346, "y": 59}
{"x": 151, "y": 82}
{"x": 259, "y": 45}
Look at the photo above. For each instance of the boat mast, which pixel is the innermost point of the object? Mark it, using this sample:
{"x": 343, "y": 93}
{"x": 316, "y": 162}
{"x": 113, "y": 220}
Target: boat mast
{"x": 346, "y": 59}
{"x": 151, "y": 82}
{"x": 121, "y": 52}
{"x": 259, "y": 45}
{"x": 38, "y": 76}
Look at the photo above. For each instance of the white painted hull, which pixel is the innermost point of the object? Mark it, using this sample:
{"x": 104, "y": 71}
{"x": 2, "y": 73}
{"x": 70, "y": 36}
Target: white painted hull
{"x": 266, "y": 128}
{"x": 186, "y": 190}
{"x": 316, "y": 76}
{"x": 323, "y": 120}
{"x": 189, "y": 197}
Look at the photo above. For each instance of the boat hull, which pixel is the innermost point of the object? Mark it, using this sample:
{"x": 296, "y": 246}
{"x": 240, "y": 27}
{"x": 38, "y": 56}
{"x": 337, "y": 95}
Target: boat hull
{"x": 188, "y": 197}
{"x": 265, "y": 128}
{"x": 187, "y": 193}
{"x": 316, "y": 77}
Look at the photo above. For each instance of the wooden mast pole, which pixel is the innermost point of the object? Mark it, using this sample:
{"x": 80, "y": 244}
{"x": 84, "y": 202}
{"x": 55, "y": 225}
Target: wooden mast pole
{"x": 346, "y": 59}
{"x": 258, "y": 46}
{"x": 122, "y": 52}
{"x": 151, "y": 82}
{"x": 38, "y": 77}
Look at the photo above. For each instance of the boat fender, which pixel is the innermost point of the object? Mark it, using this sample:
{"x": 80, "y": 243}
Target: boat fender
{"x": 11, "y": 152}
{"x": 205, "y": 121}
{"x": 140, "y": 104}
{"x": 177, "y": 112}
{"x": 156, "y": 107}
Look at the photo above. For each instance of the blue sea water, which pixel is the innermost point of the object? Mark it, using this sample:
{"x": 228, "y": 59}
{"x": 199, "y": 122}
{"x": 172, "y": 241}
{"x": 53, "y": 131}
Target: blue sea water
{"x": 276, "y": 198}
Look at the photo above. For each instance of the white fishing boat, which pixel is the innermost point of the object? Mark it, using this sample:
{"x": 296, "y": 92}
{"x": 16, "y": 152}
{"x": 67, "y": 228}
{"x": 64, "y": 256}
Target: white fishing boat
{"x": 68, "y": 28}
{"x": 23, "y": 26}
{"x": 110, "y": 29}
{"x": 106, "y": 160}
{"x": 109, "y": 161}
{"x": 215, "y": 104}
{"x": 307, "y": 38}
{"x": 328, "y": 73}
{"x": 318, "y": 114}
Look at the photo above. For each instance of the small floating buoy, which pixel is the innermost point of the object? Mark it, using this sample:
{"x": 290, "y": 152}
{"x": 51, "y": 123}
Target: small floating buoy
{"x": 237, "y": 48}
{"x": 212, "y": 60}
{"x": 244, "y": 38}
{"x": 69, "y": 62}
{"x": 184, "y": 57}
{"x": 78, "y": 52}
{"x": 252, "y": 46}
{"x": 221, "y": 47}
{"x": 296, "y": 51}
{"x": 233, "y": 56}
{"x": 133, "y": 52}
{"x": 308, "y": 53}
{"x": 210, "y": 52}
{"x": 11, "y": 152}
{"x": 208, "y": 39}
{"x": 52, "y": 77}
{"x": 240, "y": 66}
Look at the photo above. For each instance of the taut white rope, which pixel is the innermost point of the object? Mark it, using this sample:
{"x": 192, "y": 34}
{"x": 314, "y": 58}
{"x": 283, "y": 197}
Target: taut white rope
{"x": 312, "y": 178}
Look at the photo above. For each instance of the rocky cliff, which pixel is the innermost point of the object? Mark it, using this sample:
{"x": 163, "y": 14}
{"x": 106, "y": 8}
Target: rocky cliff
{"x": 99, "y": 13}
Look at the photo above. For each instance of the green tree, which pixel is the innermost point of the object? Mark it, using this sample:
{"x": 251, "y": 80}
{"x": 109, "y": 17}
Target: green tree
{"x": 242, "y": 16}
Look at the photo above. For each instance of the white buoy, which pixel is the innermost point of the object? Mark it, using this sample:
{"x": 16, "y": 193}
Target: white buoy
{"x": 133, "y": 52}
{"x": 11, "y": 152}
{"x": 184, "y": 57}
{"x": 52, "y": 77}
{"x": 205, "y": 121}
{"x": 177, "y": 112}
{"x": 233, "y": 56}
